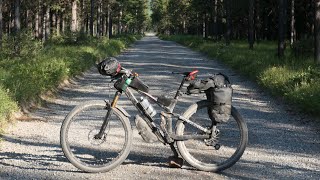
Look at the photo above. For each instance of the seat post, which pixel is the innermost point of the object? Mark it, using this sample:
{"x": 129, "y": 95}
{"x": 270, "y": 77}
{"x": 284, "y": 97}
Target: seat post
{"x": 181, "y": 85}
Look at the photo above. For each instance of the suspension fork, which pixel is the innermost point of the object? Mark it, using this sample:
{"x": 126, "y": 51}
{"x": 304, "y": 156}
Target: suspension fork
{"x": 106, "y": 119}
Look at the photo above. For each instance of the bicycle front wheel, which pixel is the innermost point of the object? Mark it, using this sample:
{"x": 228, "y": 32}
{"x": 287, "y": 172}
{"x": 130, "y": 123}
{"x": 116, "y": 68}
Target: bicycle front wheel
{"x": 83, "y": 150}
{"x": 222, "y": 151}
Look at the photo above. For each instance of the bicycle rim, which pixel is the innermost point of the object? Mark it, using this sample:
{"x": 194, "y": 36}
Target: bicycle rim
{"x": 228, "y": 145}
{"x": 86, "y": 152}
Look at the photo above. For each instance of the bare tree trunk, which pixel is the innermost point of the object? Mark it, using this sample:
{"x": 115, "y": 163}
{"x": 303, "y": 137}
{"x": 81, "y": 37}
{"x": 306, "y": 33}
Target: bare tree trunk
{"x": 83, "y": 17}
{"x": 17, "y": 26}
{"x": 1, "y": 24}
{"x": 91, "y": 17}
{"x": 47, "y": 23}
{"x": 63, "y": 23}
{"x": 41, "y": 20}
{"x": 98, "y": 18}
{"x": 74, "y": 18}
{"x": 36, "y": 25}
{"x": 258, "y": 22}
{"x": 119, "y": 22}
{"x": 215, "y": 25}
{"x": 293, "y": 29}
{"x": 206, "y": 22}
{"x": 103, "y": 17}
{"x": 87, "y": 24}
{"x": 317, "y": 32}
{"x": 109, "y": 22}
{"x": 29, "y": 19}
{"x": 282, "y": 21}
{"x": 11, "y": 29}
{"x": 228, "y": 21}
{"x": 58, "y": 23}
{"x": 17, "y": 20}
{"x": 203, "y": 27}
{"x": 251, "y": 24}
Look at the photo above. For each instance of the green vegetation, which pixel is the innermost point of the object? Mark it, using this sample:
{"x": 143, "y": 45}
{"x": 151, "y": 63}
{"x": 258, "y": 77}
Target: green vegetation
{"x": 297, "y": 79}
{"x": 7, "y": 107}
{"x": 39, "y": 68}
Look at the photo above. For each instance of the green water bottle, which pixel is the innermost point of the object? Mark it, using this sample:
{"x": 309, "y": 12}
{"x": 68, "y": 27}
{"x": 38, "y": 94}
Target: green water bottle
{"x": 126, "y": 83}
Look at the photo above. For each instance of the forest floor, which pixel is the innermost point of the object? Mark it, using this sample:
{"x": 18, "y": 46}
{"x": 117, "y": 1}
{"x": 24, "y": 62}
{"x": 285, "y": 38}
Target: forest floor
{"x": 282, "y": 144}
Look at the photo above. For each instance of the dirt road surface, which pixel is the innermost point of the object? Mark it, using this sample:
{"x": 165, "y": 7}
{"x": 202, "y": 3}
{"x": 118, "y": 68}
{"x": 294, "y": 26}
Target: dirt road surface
{"x": 282, "y": 144}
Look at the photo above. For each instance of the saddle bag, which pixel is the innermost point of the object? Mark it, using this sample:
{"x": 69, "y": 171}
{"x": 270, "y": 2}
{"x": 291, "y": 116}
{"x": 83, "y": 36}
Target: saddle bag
{"x": 218, "y": 91}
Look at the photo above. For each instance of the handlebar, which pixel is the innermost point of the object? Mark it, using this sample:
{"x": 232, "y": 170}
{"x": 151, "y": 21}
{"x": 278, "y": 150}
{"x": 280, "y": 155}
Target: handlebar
{"x": 125, "y": 71}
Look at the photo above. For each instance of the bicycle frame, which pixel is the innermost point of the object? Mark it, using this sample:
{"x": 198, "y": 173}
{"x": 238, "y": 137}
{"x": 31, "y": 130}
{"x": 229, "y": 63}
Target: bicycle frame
{"x": 165, "y": 132}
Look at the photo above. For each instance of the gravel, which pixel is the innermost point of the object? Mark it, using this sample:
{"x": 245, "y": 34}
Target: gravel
{"x": 282, "y": 143}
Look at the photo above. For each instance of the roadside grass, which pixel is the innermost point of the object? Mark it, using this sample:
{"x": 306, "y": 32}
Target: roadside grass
{"x": 7, "y": 108}
{"x": 296, "y": 79}
{"x": 26, "y": 76}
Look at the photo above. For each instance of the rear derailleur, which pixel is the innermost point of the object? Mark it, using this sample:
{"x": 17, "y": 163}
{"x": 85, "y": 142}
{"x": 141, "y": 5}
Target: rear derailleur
{"x": 214, "y": 138}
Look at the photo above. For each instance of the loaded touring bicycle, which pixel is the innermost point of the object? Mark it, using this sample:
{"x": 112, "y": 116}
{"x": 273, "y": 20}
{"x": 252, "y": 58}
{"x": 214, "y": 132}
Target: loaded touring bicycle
{"x": 211, "y": 135}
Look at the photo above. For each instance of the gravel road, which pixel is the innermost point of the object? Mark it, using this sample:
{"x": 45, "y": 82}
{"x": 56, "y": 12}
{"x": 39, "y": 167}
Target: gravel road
{"x": 282, "y": 143}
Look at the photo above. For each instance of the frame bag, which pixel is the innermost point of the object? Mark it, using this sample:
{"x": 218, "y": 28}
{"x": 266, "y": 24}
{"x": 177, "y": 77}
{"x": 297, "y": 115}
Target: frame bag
{"x": 221, "y": 97}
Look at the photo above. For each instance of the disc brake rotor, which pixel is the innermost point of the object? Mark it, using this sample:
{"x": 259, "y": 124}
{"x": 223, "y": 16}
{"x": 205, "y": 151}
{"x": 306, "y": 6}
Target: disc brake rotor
{"x": 94, "y": 141}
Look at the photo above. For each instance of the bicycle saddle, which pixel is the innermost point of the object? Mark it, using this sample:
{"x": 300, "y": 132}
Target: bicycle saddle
{"x": 189, "y": 73}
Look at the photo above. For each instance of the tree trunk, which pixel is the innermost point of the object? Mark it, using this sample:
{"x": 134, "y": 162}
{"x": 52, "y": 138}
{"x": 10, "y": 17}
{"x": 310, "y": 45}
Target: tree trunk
{"x": 1, "y": 24}
{"x": 99, "y": 18}
{"x": 11, "y": 28}
{"x": 293, "y": 29}
{"x": 282, "y": 20}
{"x": 87, "y": 24}
{"x": 103, "y": 17}
{"x": 17, "y": 26}
{"x": 41, "y": 20}
{"x": 83, "y": 17}
{"x": 91, "y": 17}
{"x": 317, "y": 32}
{"x": 203, "y": 28}
{"x": 36, "y": 25}
{"x": 17, "y": 20}
{"x": 184, "y": 26}
{"x": 109, "y": 22}
{"x": 258, "y": 22}
{"x": 74, "y": 18}
{"x": 251, "y": 24}
{"x": 119, "y": 23}
{"x": 228, "y": 22}
{"x": 58, "y": 23}
{"x": 47, "y": 23}
{"x": 63, "y": 23}
{"x": 215, "y": 26}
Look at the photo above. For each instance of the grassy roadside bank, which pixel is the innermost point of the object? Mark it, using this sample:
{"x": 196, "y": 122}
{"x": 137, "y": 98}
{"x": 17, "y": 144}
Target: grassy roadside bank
{"x": 296, "y": 79}
{"x": 39, "y": 68}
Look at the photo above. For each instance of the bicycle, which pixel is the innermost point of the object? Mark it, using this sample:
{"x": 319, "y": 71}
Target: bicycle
{"x": 89, "y": 128}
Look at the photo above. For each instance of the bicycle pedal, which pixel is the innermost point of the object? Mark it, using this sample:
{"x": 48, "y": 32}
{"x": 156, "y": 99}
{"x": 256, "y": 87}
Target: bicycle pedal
{"x": 175, "y": 162}
{"x": 144, "y": 130}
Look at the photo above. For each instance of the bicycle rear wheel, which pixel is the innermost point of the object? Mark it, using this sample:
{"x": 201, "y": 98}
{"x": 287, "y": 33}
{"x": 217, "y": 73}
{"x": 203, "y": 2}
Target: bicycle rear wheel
{"x": 225, "y": 150}
{"x": 77, "y": 137}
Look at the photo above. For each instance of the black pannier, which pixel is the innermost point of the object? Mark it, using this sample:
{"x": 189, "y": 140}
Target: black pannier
{"x": 218, "y": 91}
{"x": 109, "y": 67}
{"x": 136, "y": 83}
